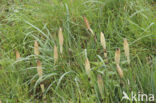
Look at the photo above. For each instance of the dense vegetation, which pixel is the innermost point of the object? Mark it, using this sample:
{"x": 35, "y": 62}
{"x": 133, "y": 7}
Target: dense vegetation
{"x": 22, "y": 22}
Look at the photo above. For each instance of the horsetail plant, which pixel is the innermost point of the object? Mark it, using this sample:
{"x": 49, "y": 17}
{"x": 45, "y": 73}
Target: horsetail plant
{"x": 103, "y": 43}
{"x": 40, "y": 73}
{"x": 100, "y": 84}
{"x": 39, "y": 66}
{"x": 55, "y": 54}
{"x": 36, "y": 48}
{"x": 119, "y": 70}
{"x": 17, "y": 55}
{"x": 88, "y": 25}
{"x": 61, "y": 39}
{"x": 117, "y": 61}
{"x": 87, "y": 67}
{"x": 87, "y": 64}
{"x": 126, "y": 49}
{"x": 117, "y": 56}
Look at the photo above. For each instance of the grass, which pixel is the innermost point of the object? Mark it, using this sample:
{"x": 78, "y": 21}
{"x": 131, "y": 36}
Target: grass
{"x": 66, "y": 81}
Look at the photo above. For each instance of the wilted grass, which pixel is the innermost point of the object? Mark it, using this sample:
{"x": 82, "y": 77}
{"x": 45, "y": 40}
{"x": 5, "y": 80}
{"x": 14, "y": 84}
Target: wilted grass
{"x": 72, "y": 44}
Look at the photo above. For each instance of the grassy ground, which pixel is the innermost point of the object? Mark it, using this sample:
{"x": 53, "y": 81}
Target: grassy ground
{"x": 22, "y": 22}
